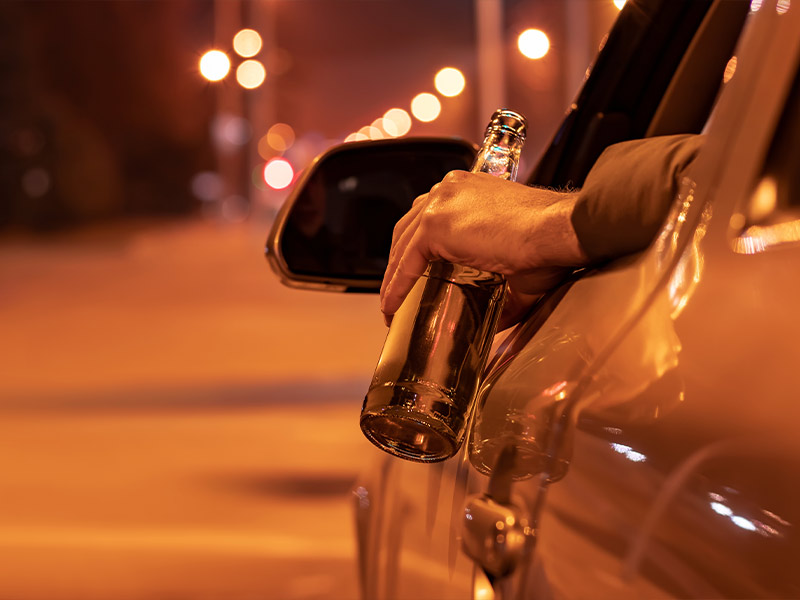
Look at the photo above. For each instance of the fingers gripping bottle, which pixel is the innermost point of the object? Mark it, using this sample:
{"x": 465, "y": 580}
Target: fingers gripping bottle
{"x": 424, "y": 386}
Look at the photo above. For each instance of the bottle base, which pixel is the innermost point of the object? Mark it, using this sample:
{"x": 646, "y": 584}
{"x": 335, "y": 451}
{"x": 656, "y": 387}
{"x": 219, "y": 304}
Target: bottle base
{"x": 408, "y": 421}
{"x": 407, "y": 435}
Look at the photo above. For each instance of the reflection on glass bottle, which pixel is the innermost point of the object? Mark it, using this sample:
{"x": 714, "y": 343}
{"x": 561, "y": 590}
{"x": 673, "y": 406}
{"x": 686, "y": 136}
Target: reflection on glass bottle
{"x": 424, "y": 386}
{"x": 527, "y": 408}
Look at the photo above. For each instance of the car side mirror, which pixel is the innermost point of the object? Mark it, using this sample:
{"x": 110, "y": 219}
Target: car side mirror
{"x": 334, "y": 231}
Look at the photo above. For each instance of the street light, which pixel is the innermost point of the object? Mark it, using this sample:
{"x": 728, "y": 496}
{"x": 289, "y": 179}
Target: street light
{"x": 278, "y": 173}
{"x": 533, "y": 43}
{"x": 449, "y": 82}
{"x": 426, "y": 107}
{"x": 214, "y": 65}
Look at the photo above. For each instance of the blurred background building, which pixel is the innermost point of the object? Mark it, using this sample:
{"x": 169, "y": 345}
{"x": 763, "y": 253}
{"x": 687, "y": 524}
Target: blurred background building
{"x": 106, "y": 113}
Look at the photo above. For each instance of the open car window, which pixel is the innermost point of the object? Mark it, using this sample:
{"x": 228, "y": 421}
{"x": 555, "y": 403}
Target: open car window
{"x": 656, "y": 52}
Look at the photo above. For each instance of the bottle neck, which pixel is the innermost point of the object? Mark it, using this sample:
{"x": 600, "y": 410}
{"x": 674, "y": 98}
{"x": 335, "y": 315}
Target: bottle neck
{"x": 499, "y": 155}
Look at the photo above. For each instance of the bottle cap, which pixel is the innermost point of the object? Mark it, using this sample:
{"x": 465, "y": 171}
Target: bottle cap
{"x": 508, "y": 121}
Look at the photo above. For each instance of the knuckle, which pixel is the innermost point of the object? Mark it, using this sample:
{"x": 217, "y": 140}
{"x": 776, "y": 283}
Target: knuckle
{"x": 454, "y": 176}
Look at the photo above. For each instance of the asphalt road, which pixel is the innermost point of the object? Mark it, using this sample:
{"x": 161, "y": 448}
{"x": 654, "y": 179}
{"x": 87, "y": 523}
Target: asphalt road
{"x": 176, "y": 424}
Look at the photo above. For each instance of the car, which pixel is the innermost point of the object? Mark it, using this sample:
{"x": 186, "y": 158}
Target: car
{"x": 635, "y": 436}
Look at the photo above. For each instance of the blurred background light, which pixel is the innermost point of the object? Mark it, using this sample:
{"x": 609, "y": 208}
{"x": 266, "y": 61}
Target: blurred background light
{"x": 783, "y": 6}
{"x": 251, "y": 74}
{"x": 426, "y": 107}
{"x": 372, "y": 133}
{"x": 278, "y": 173}
{"x": 755, "y": 5}
{"x": 449, "y": 82}
{"x": 619, "y": 4}
{"x": 35, "y": 182}
{"x": 356, "y": 137}
{"x": 400, "y": 118}
{"x": 386, "y": 126}
{"x": 214, "y": 65}
{"x": 280, "y": 137}
{"x": 247, "y": 43}
{"x": 265, "y": 149}
{"x": 533, "y": 43}
{"x": 228, "y": 130}
{"x": 207, "y": 186}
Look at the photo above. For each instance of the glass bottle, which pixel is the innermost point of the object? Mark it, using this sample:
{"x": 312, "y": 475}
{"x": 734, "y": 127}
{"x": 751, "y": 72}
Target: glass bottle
{"x": 424, "y": 386}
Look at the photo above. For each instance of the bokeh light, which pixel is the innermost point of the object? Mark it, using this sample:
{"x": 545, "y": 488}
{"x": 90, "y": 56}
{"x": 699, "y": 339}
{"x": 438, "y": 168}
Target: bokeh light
{"x": 387, "y": 127}
{"x": 449, "y": 82}
{"x": 214, "y": 65}
{"x": 35, "y": 182}
{"x": 229, "y": 130}
{"x": 426, "y": 107}
{"x": 783, "y": 6}
{"x": 265, "y": 151}
{"x": 400, "y": 118}
{"x": 280, "y": 137}
{"x": 372, "y": 133}
{"x": 356, "y": 137}
{"x": 251, "y": 74}
{"x": 533, "y": 43}
{"x": 247, "y": 43}
{"x": 619, "y": 4}
{"x": 278, "y": 173}
{"x": 208, "y": 186}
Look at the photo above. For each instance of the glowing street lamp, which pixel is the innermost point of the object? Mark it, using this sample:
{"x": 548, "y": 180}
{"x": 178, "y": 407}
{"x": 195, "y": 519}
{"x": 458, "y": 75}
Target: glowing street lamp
{"x": 533, "y": 43}
{"x": 278, "y": 173}
{"x": 426, "y": 107}
{"x": 449, "y": 82}
{"x": 214, "y": 65}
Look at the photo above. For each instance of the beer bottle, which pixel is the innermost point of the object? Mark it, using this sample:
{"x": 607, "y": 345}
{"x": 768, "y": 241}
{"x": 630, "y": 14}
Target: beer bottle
{"x": 424, "y": 386}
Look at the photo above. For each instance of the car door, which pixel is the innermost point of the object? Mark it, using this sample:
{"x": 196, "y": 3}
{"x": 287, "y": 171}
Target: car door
{"x": 668, "y": 460}
{"x": 689, "y": 487}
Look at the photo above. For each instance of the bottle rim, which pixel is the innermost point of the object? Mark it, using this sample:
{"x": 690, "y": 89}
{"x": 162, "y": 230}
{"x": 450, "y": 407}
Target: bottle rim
{"x": 508, "y": 121}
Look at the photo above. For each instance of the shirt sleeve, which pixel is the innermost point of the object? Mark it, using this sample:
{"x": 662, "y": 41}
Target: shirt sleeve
{"x": 628, "y": 192}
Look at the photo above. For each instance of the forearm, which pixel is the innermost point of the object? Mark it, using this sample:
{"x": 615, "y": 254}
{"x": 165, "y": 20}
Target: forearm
{"x": 552, "y": 239}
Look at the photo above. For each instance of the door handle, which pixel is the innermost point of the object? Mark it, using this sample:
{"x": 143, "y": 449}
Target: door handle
{"x": 497, "y": 533}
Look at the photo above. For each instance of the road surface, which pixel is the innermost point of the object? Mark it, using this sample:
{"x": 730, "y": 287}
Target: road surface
{"x": 176, "y": 424}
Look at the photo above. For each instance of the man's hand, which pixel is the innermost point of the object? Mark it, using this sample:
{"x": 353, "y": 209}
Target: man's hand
{"x": 487, "y": 223}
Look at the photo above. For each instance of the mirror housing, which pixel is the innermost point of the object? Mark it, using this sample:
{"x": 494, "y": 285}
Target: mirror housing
{"x": 334, "y": 231}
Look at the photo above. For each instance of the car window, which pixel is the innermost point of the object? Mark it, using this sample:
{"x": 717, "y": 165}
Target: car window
{"x": 656, "y": 51}
{"x": 771, "y": 216}
{"x": 707, "y": 63}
